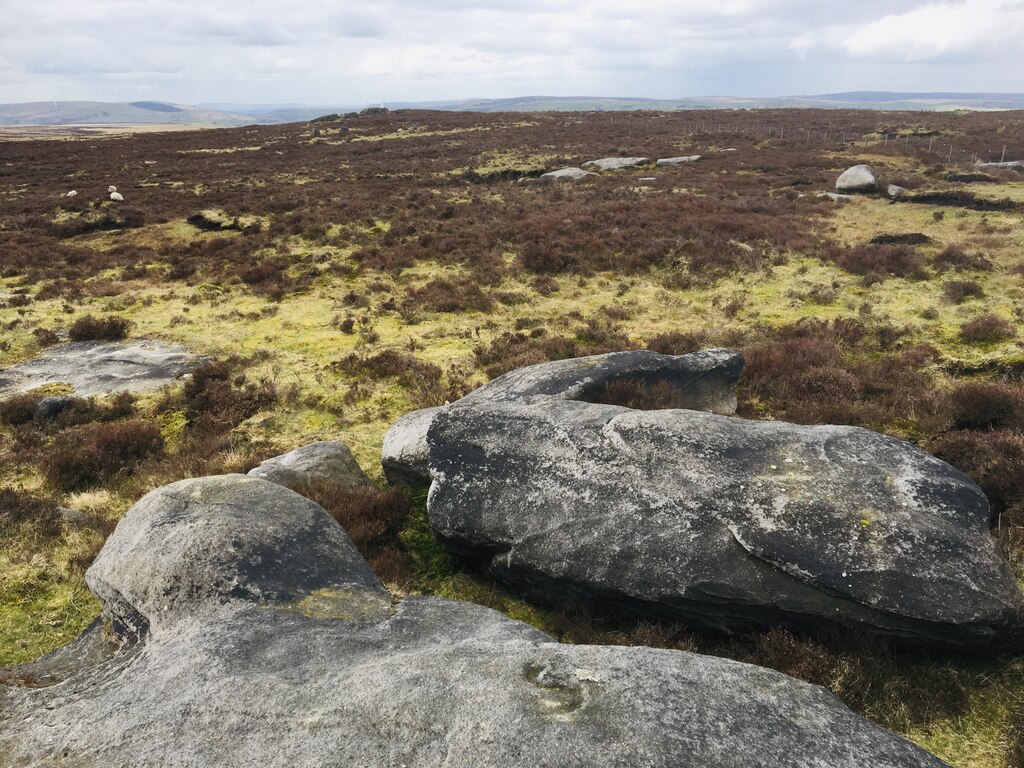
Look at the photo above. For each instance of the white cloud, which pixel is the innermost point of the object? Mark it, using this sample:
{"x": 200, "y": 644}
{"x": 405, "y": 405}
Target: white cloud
{"x": 347, "y": 51}
{"x": 937, "y": 29}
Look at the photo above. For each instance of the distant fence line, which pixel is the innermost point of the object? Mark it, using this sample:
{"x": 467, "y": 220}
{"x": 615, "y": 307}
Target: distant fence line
{"x": 817, "y": 136}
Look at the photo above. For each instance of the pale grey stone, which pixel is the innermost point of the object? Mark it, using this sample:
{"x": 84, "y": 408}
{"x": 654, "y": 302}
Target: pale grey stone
{"x": 247, "y": 631}
{"x": 566, "y": 174}
{"x": 328, "y": 462}
{"x": 722, "y": 522}
{"x": 705, "y": 380}
{"x": 404, "y": 455}
{"x": 859, "y": 178}
{"x": 103, "y": 367}
{"x": 678, "y": 160}
{"x": 615, "y": 163}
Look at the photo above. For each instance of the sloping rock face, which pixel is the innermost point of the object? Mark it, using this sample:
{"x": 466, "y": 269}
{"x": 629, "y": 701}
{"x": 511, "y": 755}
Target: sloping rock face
{"x": 328, "y": 462}
{"x": 615, "y": 163}
{"x": 566, "y": 174}
{"x": 859, "y": 178}
{"x": 722, "y": 522}
{"x": 704, "y": 381}
{"x": 96, "y": 368}
{"x": 253, "y": 655}
{"x": 1009, "y": 165}
{"x": 678, "y": 160}
{"x": 405, "y": 454}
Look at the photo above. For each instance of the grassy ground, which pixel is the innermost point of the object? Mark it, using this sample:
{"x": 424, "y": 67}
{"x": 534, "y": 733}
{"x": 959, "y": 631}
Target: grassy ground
{"x": 405, "y": 237}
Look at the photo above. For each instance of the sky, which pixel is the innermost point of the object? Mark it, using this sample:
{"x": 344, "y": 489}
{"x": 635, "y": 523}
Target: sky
{"x": 354, "y": 52}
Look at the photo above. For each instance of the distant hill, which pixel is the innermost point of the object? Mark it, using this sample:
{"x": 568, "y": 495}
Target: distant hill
{"x": 850, "y": 100}
{"x": 227, "y": 114}
{"x": 104, "y": 113}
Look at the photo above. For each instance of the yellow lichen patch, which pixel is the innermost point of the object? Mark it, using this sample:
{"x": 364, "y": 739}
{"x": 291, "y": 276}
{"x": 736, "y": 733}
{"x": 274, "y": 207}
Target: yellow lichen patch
{"x": 342, "y": 604}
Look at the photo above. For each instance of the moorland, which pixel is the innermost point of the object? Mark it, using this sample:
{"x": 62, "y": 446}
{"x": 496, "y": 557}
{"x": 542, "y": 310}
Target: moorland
{"x": 342, "y": 272}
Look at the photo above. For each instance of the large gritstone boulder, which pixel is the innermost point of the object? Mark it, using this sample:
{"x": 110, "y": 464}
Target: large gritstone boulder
{"x": 859, "y": 178}
{"x": 704, "y": 381}
{"x": 723, "y": 522}
{"x": 269, "y": 642}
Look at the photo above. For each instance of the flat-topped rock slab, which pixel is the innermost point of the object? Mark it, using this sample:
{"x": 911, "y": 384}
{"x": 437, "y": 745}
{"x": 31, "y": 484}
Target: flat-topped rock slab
{"x": 683, "y": 159}
{"x": 615, "y": 163}
{"x": 566, "y": 174}
{"x": 103, "y": 367}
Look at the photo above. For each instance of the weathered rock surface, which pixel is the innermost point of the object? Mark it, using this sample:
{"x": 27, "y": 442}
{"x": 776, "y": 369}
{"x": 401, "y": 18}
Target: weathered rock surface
{"x": 256, "y": 654}
{"x": 197, "y": 543}
{"x": 566, "y": 174}
{"x": 328, "y": 462}
{"x": 722, "y": 522}
{"x": 703, "y": 380}
{"x": 678, "y": 160}
{"x": 96, "y": 368}
{"x": 615, "y": 163}
{"x": 859, "y": 178}
{"x": 75, "y": 517}
{"x": 836, "y": 197}
{"x": 894, "y": 190}
{"x": 1009, "y": 165}
{"x": 405, "y": 453}
{"x": 49, "y": 408}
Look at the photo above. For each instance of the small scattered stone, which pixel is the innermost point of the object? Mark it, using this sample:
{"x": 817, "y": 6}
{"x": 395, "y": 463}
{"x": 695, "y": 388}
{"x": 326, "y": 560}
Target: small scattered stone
{"x": 566, "y": 174}
{"x": 678, "y": 160}
{"x": 327, "y": 462}
{"x": 615, "y": 163}
{"x": 51, "y": 407}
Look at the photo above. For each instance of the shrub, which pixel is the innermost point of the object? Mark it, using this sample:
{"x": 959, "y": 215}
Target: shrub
{"x": 79, "y": 410}
{"x": 91, "y": 328}
{"x": 455, "y": 295}
{"x": 217, "y": 399}
{"x": 957, "y": 291}
{"x": 45, "y": 337}
{"x": 956, "y": 258}
{"x": 640, "y": 394}
{"x": 87, "y": 456}
{"x": 678, "y": 343}
{"x": 879, "y": 260}
{"x": 993, "y": 459}
{"x": 19, "y": 409}
{"x": 987, "y": 329}
{"x": 903, "y": 238}
{"x": 372, "y": 518}
{"x": 982, "y": 405}
{"x": 18, "y": 507}
{"x": 422, "y": 380}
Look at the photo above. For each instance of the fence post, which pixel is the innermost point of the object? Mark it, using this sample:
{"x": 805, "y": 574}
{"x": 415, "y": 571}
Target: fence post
{"x": 1002, "y": 158}
{"x": 950, "y": 159}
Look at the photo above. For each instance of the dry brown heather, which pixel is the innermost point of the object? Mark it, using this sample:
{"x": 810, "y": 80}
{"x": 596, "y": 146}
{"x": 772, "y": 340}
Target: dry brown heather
{"x": 340, "y": 273}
